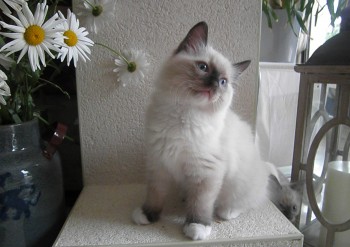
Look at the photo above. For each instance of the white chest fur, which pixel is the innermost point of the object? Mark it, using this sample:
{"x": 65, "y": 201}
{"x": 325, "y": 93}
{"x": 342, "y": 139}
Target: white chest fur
{"x": 176, "y": 136}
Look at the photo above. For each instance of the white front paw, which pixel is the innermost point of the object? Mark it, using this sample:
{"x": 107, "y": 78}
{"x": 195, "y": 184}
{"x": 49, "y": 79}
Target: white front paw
{"x": 139, "y": 217}
{"x": 197, "y": 231}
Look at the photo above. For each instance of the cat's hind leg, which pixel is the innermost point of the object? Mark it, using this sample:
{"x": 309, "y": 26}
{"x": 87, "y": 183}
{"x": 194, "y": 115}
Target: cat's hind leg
{"x": 228, "y": 213}
{"x": 157, "y": 188}
{"x": 224, "y": 206}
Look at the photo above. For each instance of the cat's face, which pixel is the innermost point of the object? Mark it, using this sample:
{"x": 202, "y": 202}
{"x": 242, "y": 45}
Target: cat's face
{"x": 197, "y": 74}
{"x": 200, "y": 79}
{"x": 289, "y": 203}
{"x": 286, "y": 197}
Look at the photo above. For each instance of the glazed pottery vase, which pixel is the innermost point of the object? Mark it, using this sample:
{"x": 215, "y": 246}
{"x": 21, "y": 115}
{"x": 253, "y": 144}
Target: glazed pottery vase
{"x": 31, "y": 188}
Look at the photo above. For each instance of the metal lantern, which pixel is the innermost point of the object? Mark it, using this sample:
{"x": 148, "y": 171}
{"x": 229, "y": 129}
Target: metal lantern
{"x": 322, "y": 141}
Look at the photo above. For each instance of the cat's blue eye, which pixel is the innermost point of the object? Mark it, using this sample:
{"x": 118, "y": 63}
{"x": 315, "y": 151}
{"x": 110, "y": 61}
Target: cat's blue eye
{"x": 222, "y": 82}
{"x": 203, "y": 67}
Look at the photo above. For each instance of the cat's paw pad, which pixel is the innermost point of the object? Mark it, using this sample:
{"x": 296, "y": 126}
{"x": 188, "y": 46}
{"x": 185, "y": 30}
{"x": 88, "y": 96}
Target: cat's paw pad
{"x": 139, "y": 217}
{"x": 197, "y": 231}
{"x": 228, "y": 214}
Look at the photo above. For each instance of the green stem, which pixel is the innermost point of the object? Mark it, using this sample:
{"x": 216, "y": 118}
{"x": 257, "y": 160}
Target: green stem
{"x": 28, "y": 110}
{"x": 91, "y": 5}
{"x": 48, "y": 124}
{"x": 115, "y": 52}
{"x": 41, "y": 119}
{"x": 54, "y": 85}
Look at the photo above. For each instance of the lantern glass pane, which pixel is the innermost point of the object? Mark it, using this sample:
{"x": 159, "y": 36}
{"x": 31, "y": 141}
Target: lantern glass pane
{"x": 322, "y": 108}
{"x": 330, "y": 177}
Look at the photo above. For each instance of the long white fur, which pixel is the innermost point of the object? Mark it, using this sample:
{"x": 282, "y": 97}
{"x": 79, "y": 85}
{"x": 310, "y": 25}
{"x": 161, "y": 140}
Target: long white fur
{"x": 190, "y": 138}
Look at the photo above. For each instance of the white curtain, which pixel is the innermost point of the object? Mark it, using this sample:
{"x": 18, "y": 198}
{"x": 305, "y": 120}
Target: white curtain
{"x": 276, "y": 115}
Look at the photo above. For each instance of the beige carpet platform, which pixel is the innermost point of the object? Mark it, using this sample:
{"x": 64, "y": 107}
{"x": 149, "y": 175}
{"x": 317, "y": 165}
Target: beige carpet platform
{"x": 102, "y": 217}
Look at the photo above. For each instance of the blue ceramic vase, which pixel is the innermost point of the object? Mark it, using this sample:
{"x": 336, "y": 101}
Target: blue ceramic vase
{"x": 31, "y": 189}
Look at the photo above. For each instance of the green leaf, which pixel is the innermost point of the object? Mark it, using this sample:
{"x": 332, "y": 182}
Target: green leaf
{"x": 15, "y": 117}
{"x": 318, "y": 11}
{"x": 301, "y": 22}
{"x": 269, "y": 13}
{"x": 330, "y": 5}
{"x": 291, "y": 13}
{"x": 2, "y": 41}
{"x": 308, "y": 10}
{"x": 302, "y": 5}
{"x": 341, "y": 5}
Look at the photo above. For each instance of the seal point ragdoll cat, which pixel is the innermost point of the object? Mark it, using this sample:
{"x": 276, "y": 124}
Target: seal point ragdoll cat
{"x": 285, "y": 195}
{"x": 195, "y": 139}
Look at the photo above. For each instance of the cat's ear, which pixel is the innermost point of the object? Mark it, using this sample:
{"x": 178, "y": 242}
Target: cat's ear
{"x": 298, "y": 186}
{"x": 275, "y": 182}
{"x": 197, "y": 37}
{"x": 241, "y": 66}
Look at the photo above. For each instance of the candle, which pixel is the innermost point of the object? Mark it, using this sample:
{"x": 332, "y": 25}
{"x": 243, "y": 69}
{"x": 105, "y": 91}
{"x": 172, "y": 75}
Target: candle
{"x": 336, "y": 202}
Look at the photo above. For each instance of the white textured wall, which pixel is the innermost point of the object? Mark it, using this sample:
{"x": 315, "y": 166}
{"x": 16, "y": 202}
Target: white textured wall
{"x": 111, "y": 117}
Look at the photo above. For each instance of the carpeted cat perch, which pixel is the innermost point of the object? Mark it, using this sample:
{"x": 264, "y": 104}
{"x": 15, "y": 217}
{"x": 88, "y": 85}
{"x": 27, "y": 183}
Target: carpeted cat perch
{"x": 102, "y": 217}
{"x": 112, "y": 130}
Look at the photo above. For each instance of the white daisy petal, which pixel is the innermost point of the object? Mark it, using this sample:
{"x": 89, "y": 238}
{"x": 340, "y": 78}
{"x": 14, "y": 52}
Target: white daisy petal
{"x": 41, "y": 54}
{"x": 75, "y": 43}
{"x": 41, "y": 36}
{"x": 48, "y": 47}
{"x": 15, "y": 4}
{"x": 81, "y": 54}
{"x": 75, "y": 58}
{"x": 12, "y": 27}
{"x": 12, "y": 44}
{"x": 15, "y": 20}
{"x": 12, "y": 35}
{"x": 33, "y": 57}
{"x": 123, "y": 73}
{"x": 23, "y": 52}
{"x": 52, "y": 22}
{"x": 4, "y": 88}
{"x": 3, "y": 76}
{"x": 4, "y": 8}
{"x": 42, "y": 11}
{"x": 27, "y": 15}
{"x": 6, "y": 62}
{"x": 91, "y": 21}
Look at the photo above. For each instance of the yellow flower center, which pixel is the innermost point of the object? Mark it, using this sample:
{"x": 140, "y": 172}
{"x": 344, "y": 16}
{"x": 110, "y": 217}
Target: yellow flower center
{"x": 72, "y": 38}
{"x": 34, "y": 35}
{"x": 132, "y": 67}
{"x": 97, "y": 10}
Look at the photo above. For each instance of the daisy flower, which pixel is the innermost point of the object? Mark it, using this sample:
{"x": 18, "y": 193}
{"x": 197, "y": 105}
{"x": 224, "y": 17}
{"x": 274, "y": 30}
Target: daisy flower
{"x": 94, "y": 12}
{"x": 14, "y": 4}
{"x": 4, "y": 88}
{"x": 75, "y": 40}
{"x": 32, "y": 35}
{"x": 131, "y": 67}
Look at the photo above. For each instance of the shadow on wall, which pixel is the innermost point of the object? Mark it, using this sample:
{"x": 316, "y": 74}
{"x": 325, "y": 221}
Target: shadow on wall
{"x": 60, "y": 108}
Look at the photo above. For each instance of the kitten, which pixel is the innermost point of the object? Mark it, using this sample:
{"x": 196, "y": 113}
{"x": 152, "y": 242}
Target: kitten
{"x": 194, "y": 138}
{"x": 285, "y": 195}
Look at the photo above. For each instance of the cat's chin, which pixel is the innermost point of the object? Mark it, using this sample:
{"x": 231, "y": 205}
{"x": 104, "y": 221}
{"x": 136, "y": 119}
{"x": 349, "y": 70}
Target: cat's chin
{"x": 207, "y": 95}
